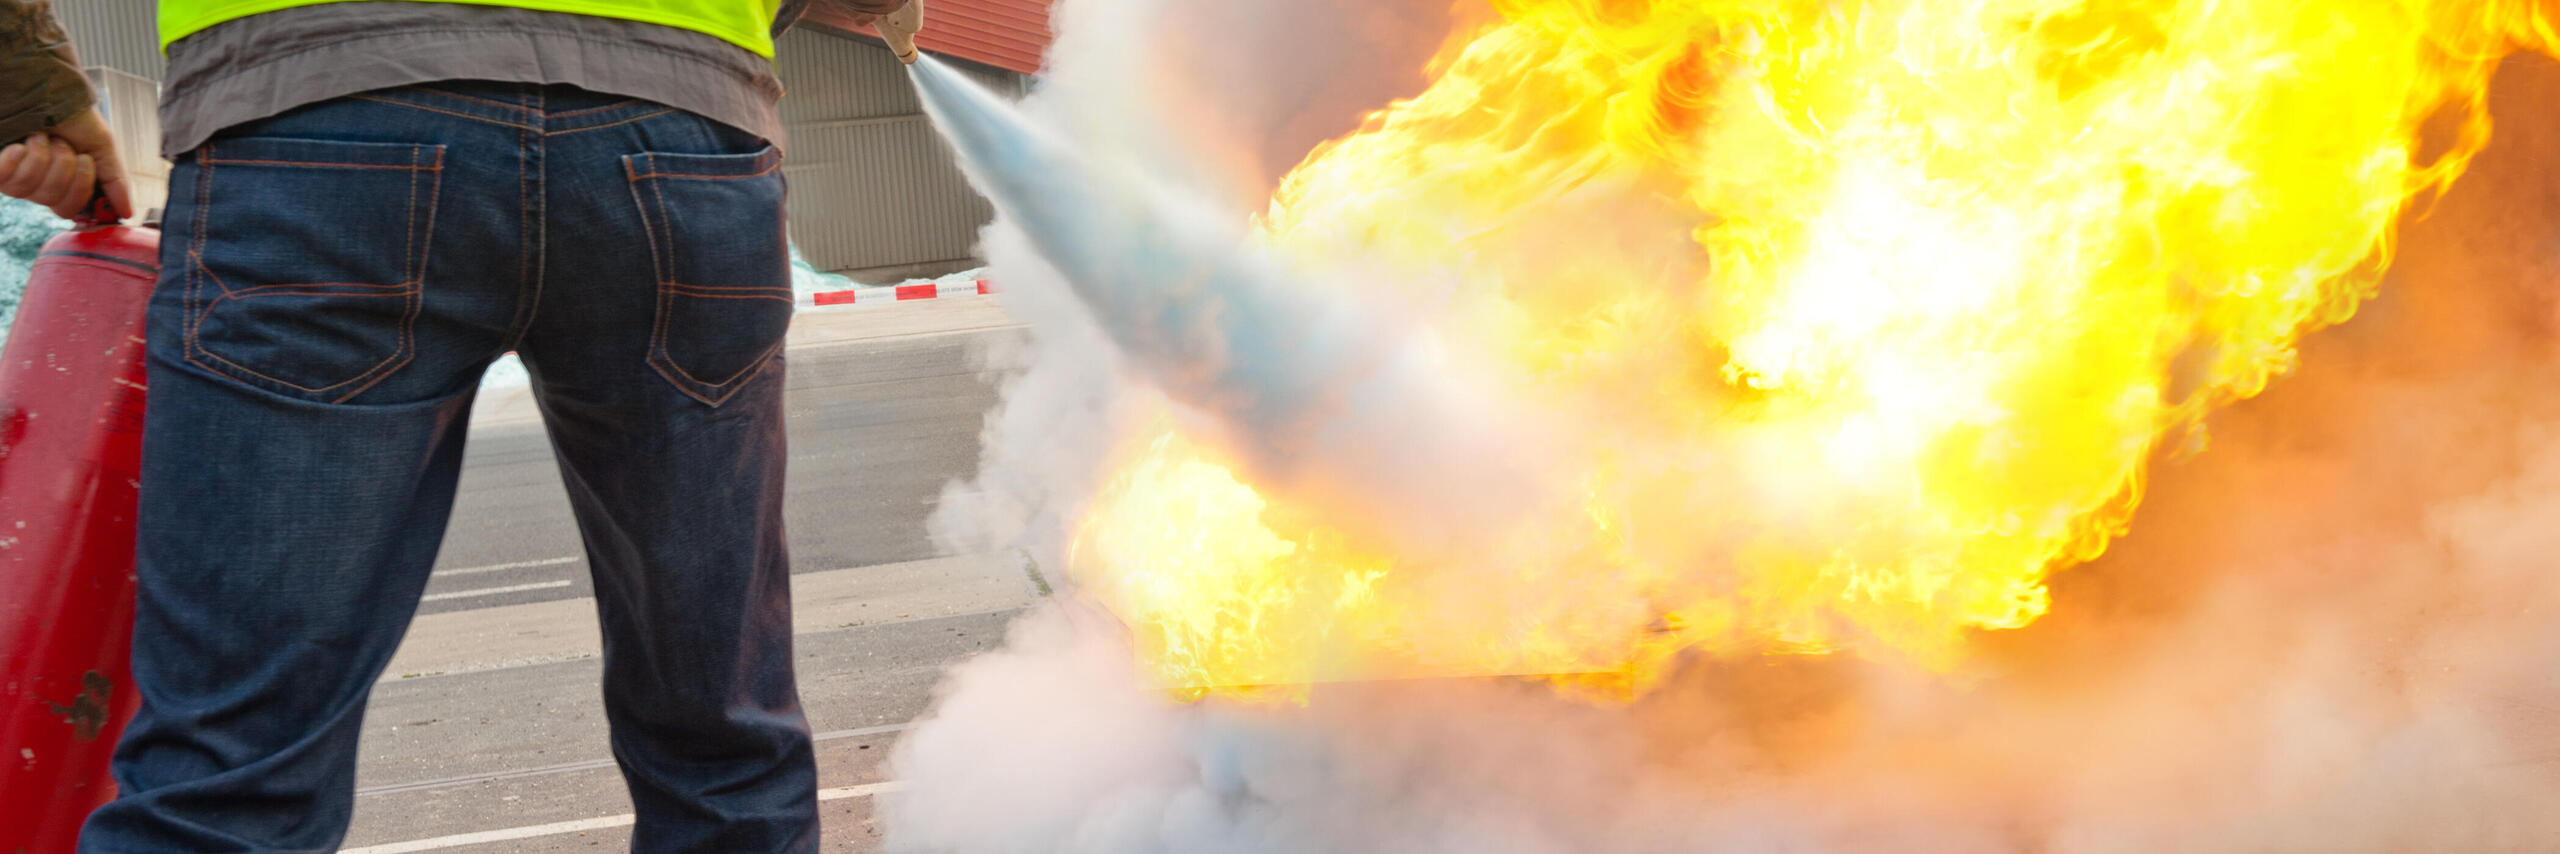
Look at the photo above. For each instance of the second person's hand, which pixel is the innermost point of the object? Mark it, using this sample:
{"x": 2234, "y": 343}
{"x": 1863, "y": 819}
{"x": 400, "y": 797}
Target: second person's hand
{"x": 897, "y": 21}
{"x": 64, "y": 167}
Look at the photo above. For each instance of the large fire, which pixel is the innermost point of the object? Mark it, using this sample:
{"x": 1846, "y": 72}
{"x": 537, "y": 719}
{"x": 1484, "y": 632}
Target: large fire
{"x": 1868, "y": 316}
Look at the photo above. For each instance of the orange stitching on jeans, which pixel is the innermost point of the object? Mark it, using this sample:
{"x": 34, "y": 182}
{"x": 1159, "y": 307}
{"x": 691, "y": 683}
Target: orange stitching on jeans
{"x": 647, "y": 222}
{"x": 454, "y": 113}
{"x": 768, "y": 170}
{"x": 402, "y": 356}
{"x": 216, "y": 303}
{"x": 384, "y": 374}
{"x": 196, "y": 347}
{"x": 414, "y": 289}
{"x": 739, "y": 383}
{"x": 263, "y": 290}
{"x": 274, "y": 291}
{"x": 666, "y": 305}
{"x": 418, "y": 260}
{"x": 666, "y": 299}
{"x": 247, "y": 370}
{"x": 439, "y": 93}
{"x": 195, "y": 343}
{"x": 638, "y": 118}
{"x": 592, "y": 110}
{"x": 659, "y": 356}
{"x": 661, "y": 230}
{"x": 533, "y": 207}
{"x": 409, "y": 252}
{"x": 660, "y": 365}
{"x": 319, "y": 165}
{"x": 427, "y": 239}
{"x": 657, "y": 260}
{"x": 204, "y": 208}
{"x": 671, "y": 363}
{"x": 733, "y": 386}
{"x": 521, "y": 323}
{"x": 473, "y": 99}
{"x": 218, "y": 283}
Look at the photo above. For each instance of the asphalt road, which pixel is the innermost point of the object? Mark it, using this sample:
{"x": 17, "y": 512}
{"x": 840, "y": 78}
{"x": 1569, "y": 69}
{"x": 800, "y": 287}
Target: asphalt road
{"x": 488, "y": 735}
{"x": 877, "y": 428}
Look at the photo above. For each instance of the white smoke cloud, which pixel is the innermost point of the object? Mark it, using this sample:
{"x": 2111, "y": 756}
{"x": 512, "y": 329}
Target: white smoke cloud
{"x": 2335, "y": 629}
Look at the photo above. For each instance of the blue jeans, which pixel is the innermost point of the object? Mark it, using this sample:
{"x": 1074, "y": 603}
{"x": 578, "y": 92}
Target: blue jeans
{"x": 335, "y": 281}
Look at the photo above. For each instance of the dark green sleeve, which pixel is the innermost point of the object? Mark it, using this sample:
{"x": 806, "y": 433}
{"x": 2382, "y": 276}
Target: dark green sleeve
{"x": 40, "y": 80}
{"x": 789, "y": 16}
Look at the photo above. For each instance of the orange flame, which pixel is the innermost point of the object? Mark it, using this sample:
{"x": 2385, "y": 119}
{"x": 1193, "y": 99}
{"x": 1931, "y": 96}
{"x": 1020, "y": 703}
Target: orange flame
{"x": 1869, "y": 314}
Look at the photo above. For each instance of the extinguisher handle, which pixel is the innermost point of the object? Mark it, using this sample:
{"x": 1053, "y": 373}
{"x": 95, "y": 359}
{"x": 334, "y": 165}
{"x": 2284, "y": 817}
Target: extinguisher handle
{"x": 101, "y": 210}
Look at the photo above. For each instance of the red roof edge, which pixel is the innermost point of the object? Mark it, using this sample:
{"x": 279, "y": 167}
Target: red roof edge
{"x": 1007, "y": 34}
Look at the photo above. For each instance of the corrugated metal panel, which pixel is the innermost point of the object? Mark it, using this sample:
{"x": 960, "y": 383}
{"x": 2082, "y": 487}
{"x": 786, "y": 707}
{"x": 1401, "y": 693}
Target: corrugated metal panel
{"x": 831, "y": 78}
{"x": 119, "y": 34}
{"x": 839, "y": 78}
{"x": 880, "y": 193}
{"x": 119, "y": 42}
{"x": 1008, "y": 34}
{"x": 1009, "y": 84}
{"x": 132, "y": 106}
{"x": 872, "y": 185}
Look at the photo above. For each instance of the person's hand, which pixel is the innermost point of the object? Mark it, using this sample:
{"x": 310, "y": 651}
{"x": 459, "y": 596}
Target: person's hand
{"x": 62, "y": 168}
{"x": 897, "y": 22}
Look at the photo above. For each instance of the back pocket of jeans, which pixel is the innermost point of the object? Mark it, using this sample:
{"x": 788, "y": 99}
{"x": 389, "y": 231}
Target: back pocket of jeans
{"x": 715, "y": 224}
{"x": 305, "y": 261}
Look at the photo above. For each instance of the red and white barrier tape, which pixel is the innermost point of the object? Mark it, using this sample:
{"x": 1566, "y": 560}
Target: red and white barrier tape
{"x": 902, "y": 293}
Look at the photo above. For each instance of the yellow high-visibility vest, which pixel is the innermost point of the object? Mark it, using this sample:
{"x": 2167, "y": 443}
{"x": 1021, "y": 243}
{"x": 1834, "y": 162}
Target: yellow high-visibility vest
{"x": 745, "y": 23}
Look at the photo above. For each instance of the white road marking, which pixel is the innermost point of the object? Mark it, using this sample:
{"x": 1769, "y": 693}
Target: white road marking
{"x": 556, "y": 828}
{"x": 862, "y": 791}
{"x": 493, "y": 591}
{"x": 502, "y": 567}
{"x": 594, "y": 764}
{"x": 471, "y": 638}
{"x": 487, "y": 836}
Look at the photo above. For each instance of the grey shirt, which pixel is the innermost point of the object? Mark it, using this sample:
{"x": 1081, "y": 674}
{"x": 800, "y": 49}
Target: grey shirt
{"x": 269, "y": 63}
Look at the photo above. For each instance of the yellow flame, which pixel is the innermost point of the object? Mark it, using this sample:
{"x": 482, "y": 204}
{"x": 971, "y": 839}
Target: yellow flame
{"x": 1875, "y": 312}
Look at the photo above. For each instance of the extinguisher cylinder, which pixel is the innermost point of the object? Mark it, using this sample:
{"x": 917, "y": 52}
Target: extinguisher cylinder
{"x": 72, "y": 385}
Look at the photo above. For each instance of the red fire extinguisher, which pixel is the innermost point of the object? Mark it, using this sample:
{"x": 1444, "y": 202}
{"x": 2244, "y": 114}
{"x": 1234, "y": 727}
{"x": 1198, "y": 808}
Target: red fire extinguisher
{"x": 71, "y": 391}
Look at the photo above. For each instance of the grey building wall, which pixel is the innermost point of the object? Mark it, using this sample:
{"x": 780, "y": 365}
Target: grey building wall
{"x": 874, "y": 191}
{"x": 119, "y": 34}
{"x": 132, "y": 105}
{"x": 120, "y": 48}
